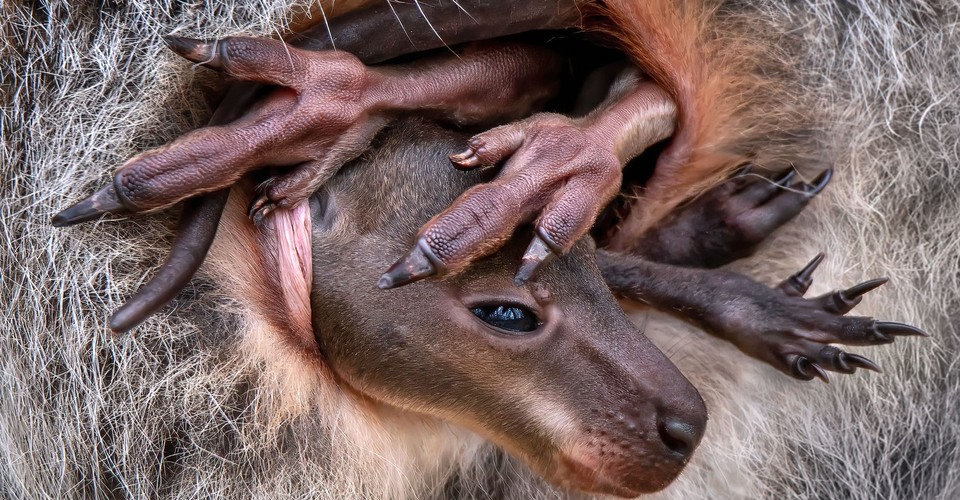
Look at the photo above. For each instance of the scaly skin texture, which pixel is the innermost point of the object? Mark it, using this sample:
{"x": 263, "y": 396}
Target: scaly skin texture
{"x": 325, "y": 112}
{"x": 561, "y": 170}
{"x": 775, "y": 325}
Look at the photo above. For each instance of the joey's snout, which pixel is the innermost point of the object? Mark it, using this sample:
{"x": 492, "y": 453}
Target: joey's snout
{"x": 639, "y": 435}
{"x": 681, "y": 435}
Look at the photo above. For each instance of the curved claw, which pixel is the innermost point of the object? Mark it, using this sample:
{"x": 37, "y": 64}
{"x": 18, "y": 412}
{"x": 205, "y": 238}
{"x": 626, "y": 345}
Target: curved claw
{"x": 802, "y": 368}
{"x": 819, "y": 183}
{"x": 466, "y": 160}
{"x": 797, "y": 284}
{"x": 785, "y": 178}
{"x": 898, "y": 329}
{"x": 856, "y": 361}
{"x": 842, "y": 301}
{"x": 820, "y": 373}
{"x": 255, "y": 206}
{"x": 195, "y": 50}
{"x": 420, "y": 263}
{"x": 260, "y": 208}
{"x": 538, "y": 252}
{"x": 102, "y": 202}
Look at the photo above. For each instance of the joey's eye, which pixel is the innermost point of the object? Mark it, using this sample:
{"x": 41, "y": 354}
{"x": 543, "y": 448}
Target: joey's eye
{"x": 511, "y": 318}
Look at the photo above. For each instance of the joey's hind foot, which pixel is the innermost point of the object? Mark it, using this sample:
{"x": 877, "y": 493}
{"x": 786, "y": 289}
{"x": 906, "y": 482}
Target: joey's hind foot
{"x": 776, "y": 325}
{"x": 730, "y": 221}
{"x": 316, "y": 115}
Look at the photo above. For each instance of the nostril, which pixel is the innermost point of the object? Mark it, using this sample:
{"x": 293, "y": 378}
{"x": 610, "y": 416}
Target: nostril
{"x": 679, "y": 436}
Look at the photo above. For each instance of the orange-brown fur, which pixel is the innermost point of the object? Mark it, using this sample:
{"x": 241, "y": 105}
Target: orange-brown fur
{"x": 85, "y": 412}
{"x": 731, "y": 96}
{"x": 731, "y": 84}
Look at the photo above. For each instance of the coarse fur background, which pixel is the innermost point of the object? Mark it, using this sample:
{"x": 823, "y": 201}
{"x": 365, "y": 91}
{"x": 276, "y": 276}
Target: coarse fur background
{"x": 184, "y": 407}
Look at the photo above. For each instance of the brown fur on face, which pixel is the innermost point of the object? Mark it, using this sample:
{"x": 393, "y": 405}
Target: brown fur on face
{"x": 583, "y": 399}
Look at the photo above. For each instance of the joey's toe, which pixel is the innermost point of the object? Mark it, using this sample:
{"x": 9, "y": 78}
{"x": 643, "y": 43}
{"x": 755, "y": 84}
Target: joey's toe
{"x": 191, "y": 49}
{"x": 843, "y": 301}
{"x": 99, "y": 203}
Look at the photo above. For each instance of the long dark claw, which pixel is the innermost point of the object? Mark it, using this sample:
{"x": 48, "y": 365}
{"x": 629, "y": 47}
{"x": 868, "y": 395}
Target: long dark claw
{"x": 538, "y": 252}
{"x": 834, "y": 358}
{"x": 857, "y": 361}
{"x": 842, "y": 301}
{"x": 819, "y": 182}
{"x": 797, "y": 284}
{"x": 194, "y": 50}
{"x": 784, "y": 180}
{"x": 744, "y": 171}
{"x": 820, "y": 373}
{"x": 858, "y": 290}
{"x": 802, "y": 368}
{"x": 899, "y": 329}
{"x": 415, "y": 266}
{"x": 102, "y": 202}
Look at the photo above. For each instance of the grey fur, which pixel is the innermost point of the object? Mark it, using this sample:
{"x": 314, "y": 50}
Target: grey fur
{"x": 180, "y": 409}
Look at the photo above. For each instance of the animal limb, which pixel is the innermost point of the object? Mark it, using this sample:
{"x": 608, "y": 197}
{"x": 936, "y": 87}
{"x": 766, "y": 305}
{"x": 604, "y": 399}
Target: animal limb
{"x": 728, "y": 222}
{"x": 352, "y": 33}
{"x": 564, "y": 169}
{"x": 327, "y": 110}
{"x": 776, "y": 325}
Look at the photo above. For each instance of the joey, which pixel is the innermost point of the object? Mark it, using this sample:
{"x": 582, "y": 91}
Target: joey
{"x": 552, "y": 371}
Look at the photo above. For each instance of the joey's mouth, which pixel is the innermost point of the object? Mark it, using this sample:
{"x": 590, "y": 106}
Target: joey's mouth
{"x": 579, "y": 476}
{"x": 593, "y": 474}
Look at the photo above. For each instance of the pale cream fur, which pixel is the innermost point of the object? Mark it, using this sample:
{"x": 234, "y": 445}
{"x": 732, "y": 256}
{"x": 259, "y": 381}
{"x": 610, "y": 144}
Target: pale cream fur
{"x": 201, "y": 401}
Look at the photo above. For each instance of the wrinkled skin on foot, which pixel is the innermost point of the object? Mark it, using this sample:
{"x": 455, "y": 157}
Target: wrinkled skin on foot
{"x": 776, "y": 325}
{"x": 327, "y": 109}
{"x": 350, "y": 32}
{"x": 561, "y": 171}
{"x": 730, "y": 221}
{"x": 329, "y": 106}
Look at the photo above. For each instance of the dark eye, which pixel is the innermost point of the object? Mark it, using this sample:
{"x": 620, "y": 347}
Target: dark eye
{"x": 507, "y": 317}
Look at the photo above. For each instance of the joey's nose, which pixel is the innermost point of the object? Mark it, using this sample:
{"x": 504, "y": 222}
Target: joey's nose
{"x": 680, "y": 435}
